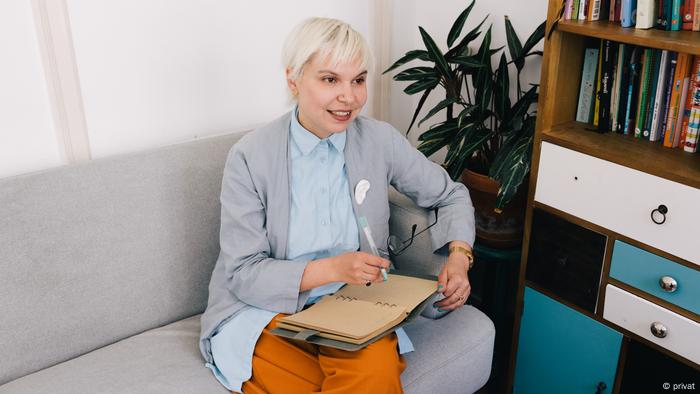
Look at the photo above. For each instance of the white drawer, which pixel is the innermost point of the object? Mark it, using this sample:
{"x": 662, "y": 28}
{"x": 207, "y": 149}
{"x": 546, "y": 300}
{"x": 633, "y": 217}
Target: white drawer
{"x": 620, "y": 199}
{"x": 636, "y": 315}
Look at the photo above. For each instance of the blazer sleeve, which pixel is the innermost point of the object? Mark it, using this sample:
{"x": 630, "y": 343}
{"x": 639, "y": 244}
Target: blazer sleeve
{"x": 429, "y": 186}
{"x": 252, "y": 275}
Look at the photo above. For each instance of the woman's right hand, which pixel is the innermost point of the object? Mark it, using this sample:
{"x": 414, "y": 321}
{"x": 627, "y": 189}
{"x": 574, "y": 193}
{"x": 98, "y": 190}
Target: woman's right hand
{"x": 358, "y": 268}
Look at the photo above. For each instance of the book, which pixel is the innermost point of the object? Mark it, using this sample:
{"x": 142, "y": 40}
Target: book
{"x": 647, "y": 64}
{"x": 646, "y": 14}
{"x": 670, "y": 75}
{"x": 632, "y": 90}
{"x": 691, "y": 141}
{"x": 596, "y": 96}
{"x": 687, "y": 14}
{"x": 675, "y": 16}
{"x": 611, "y": 11}
{"x": 672, "y": 135}
{"x": 661, "y": 17}
{"x": 582, "y": 10}
{"x": 688, "y": 104}
{"x": 574, "y": 11}
{"x": 696, "y": 16}
{"x": 681, "y": 104}
{"x": 627, "y": 51}
{"x": 568, "y": 9}
{"x": 587, "y": 88}
{"x": 628, "y": 15}
{"x": 653, "y": 85}
{"x": 606, "y": 75}
{"x": 657, "y": 111}
{"x": 618, "y": 10}
{"x": 617, "y": 84}
{"x": 356, "y": 315}
{"x": 594, "y": 10}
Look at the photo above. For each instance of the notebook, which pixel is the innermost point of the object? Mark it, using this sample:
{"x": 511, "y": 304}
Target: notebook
{"x": 357, "y": 315}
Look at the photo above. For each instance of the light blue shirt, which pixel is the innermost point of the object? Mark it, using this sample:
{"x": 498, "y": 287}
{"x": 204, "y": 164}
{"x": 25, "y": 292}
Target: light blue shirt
{"x": 322, "y": 224}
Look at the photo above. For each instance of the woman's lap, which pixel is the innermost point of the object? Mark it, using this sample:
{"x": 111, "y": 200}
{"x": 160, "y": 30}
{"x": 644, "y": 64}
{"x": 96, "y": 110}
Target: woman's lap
{"x": 281, "y": 365}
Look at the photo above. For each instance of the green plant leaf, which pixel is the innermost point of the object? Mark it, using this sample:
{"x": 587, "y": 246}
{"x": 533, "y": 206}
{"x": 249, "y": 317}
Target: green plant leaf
{"x": 429, "y": 147}
{"x": 416, "y": 73}
{"x": 440, "y": 130}
{"x": 436, "y": 55}
{"x": 456, "y": 29}
{"x": 483, "y": 78}
{"x": 534, "y": 38}
{"x": 502, "y": 90}
{"x": 464, "y": 116}
{"x": 409, "y": 56}
{"x": 441, "y": 105}
{"x": 514, "y": 168}
{"x": 421, "y": 85}
{"x": 463, "y": 47}
{"x": 473, "y": 141}
{"x": 514, "y": 117}
{"x": 419, "y": 107}
{"x": 515, "y": 47}
{"x": 471, "y": 62}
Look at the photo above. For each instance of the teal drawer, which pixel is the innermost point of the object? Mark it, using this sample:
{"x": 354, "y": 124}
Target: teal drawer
{"x": 643, "y": 270}
{"x": 562, "y": 351}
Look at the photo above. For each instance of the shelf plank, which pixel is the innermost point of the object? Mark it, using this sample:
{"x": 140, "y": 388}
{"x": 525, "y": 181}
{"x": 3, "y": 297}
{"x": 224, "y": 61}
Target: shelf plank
{"x": 680, "y": 41}
{"x": 650, "y": 157}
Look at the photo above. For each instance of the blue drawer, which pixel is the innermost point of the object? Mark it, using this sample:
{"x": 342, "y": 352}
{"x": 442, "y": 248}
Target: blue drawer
{"x": 643, "y": 270}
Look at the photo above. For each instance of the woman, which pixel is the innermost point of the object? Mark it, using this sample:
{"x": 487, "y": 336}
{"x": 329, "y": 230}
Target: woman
{"x": 289, "y": 225}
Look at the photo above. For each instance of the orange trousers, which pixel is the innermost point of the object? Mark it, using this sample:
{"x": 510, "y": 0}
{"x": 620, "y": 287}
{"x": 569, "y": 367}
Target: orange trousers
{"x": 288, "y": 366}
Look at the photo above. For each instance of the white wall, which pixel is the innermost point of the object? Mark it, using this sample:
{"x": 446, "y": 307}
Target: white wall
{"x": 437, "y": 18}
{"x": 27, "y": 138}
{"x": 149, "y": 73}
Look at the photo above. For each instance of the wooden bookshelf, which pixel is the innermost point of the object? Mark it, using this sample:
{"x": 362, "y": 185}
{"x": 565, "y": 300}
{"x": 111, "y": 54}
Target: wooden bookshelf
{"x": 645, "y": 156}
{"x": 679, "y": 41}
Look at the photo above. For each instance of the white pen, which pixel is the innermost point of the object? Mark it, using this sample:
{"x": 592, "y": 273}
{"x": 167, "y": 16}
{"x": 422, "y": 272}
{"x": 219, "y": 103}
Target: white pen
{"x": 372, "y": 245}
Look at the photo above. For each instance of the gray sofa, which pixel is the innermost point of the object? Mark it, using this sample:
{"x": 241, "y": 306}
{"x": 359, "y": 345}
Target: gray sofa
{"x": 104, "y": 268}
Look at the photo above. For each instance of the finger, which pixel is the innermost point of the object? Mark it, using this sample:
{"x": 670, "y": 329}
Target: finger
{"x": 379, "y": 262}
{"x": 373, "y": 273}
{"x": 454, "y": 282}
{"x": 458, "y": 297}
{"x": 442, "y": 280}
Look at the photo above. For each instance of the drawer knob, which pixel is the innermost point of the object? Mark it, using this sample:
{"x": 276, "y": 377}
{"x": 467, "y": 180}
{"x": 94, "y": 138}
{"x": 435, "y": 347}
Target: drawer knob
{"x": 658, "y": 215}
{"x": 659, "y": 330}
{"x": 668, "y": 284}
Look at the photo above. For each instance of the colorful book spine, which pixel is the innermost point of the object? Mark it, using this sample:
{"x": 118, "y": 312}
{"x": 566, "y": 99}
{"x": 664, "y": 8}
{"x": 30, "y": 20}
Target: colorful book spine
{"x": 691, "y": 142}
{"x": 574, "y": 11}
{"x": 687, "y": 15}
{"x": 632, "y": 91}
{"x": 675, "y": 15}
{"x": 696, "y": 16}
{"x": 647, "y": 64}
{"x": 685, "y": 113}
{"x": 627, "y": 52}
{"x": 611, "y": 11}
{"x": 653, "y": 85}
{"x": 679, "y": 136}
{"x": 587, "y": 89}
{"x": 672, "y": 134}
{"x": 582, "y": 9}
{"x": 568, "y": 8}
{"x": 646, "y": 14}
{"x": 668, "y": 12}
{"x": 661, "y": 18}
{"x": 606, "y": 80}
{"x": 594, "y": 10}
{"x": 618, "y": 10}
{"x": 670, "y": 74}
{"x": 629, "y": 13}
{"x": 596, "y": 101}
{"x": 617, "y": 85}
{"x": 657, "y": 111}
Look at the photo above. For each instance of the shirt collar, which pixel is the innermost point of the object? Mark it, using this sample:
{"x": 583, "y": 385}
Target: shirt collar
{"x": 307, "y": 141}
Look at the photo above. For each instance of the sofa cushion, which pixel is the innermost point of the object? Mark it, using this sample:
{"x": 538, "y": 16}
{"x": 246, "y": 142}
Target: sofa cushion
{"x": 167, "y": 360}
{"x": 97, "y": 252}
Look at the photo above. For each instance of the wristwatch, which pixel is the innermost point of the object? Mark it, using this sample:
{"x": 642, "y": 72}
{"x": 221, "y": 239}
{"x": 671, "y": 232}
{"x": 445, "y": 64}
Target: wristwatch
{"x": 465, "y": 252}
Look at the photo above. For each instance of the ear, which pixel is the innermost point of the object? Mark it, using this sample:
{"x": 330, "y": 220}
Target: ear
{"x": 291, "y": 83}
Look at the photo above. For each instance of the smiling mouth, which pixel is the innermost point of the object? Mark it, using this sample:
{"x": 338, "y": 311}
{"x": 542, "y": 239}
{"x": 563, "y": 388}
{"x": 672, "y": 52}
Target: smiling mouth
{"x": 340, "y": 116}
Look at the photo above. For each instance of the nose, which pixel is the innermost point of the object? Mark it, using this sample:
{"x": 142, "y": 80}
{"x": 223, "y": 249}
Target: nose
{"x": 347, "y": 95}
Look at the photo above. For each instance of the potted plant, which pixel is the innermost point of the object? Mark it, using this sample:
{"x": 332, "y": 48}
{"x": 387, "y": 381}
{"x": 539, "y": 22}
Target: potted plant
{"x": 489, "y": 136}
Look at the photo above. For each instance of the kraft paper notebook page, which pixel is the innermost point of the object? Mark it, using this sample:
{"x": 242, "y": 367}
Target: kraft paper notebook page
{"x": 357, "y": 314}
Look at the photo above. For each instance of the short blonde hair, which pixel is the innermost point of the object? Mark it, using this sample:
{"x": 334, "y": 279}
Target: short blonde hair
{"x": 328, "y": 38}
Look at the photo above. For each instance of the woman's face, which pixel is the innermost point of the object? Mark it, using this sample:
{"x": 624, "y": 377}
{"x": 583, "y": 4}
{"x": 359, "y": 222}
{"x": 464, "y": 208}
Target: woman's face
{"x": 329, "y": 97}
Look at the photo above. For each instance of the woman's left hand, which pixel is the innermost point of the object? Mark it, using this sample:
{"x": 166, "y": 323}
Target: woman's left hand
{"x": 453, "y": 282}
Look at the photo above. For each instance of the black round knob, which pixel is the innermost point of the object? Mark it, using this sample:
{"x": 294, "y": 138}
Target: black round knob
{"x": 658, "y": 215}
{"x": 601, "y": 387}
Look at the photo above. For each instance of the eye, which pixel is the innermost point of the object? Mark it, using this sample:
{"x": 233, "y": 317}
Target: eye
{"x": 329, "y": 79}
{"x": 360, "y": 81}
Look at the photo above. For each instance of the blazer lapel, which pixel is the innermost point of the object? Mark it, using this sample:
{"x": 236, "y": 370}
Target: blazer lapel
{"x": 354, "y": 169}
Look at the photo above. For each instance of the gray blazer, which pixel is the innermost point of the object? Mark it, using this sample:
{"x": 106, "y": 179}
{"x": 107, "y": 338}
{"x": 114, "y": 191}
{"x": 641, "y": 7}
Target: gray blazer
{"x": 251, "y": 268}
